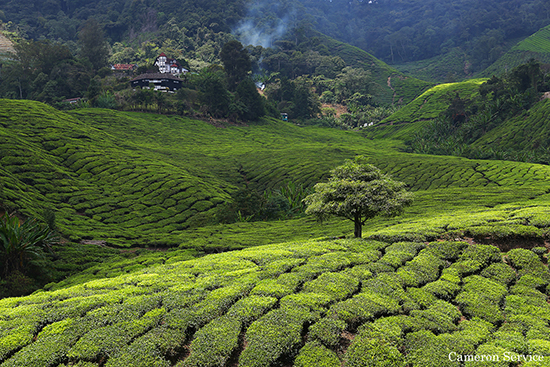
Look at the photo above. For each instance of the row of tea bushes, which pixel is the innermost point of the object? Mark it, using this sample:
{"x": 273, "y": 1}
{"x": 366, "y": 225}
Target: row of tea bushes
{"x": 316, "y": 303}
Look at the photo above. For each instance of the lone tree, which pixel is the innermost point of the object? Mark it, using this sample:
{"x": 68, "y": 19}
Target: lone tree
{"x": 358, "y": 191}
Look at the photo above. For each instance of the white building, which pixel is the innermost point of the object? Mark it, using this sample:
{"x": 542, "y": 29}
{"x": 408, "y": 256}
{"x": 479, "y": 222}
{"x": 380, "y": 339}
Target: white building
{"x": 168, "y": 65}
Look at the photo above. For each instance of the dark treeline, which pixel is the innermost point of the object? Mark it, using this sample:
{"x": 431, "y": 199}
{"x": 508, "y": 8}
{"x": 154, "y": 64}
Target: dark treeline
{"x": 61, "y": 19}
{"x": 401, "y": 31}
{"x": 394, "y": 31}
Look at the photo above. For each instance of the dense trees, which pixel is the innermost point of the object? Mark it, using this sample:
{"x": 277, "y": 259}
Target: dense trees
{"x": 236, "y": 63}
{"x": 358, "y": 191}
{"x": 22, "y": 242}
{"x": 45, "y": 71}
{"x": 395, "y": 31}
{"x": 93, "y": 45}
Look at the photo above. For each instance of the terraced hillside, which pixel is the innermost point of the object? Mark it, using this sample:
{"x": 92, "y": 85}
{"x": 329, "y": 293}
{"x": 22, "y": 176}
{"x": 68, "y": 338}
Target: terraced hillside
{"x": 133, "y": 179}
{"x": 536, "y": 46}
{"x": 421, "y": 287}
{"x": 435, "y": 100}
{"x": 316, "y": 303}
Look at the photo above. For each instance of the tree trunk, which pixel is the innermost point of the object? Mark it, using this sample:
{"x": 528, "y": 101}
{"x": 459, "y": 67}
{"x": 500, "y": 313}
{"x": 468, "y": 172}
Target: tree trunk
{"x": 358, "y": 226}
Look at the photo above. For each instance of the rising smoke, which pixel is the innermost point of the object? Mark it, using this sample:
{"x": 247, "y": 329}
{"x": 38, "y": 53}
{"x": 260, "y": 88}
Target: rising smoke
{"x": 265, "y": 23}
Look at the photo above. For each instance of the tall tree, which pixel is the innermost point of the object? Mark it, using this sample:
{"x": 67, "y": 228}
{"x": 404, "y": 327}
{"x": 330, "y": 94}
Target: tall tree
{"x": 236, "y": 62}
{"x": 92, "y": 44}
{"x": 213, "y": 93}
{"x": 247, "y": 93}
{"x": 358, "y": 191}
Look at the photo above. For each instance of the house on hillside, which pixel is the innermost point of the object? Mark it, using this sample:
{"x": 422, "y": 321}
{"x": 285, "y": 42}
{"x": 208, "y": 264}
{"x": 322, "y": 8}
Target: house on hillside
{"x": 123, "y": 68}
{"x": 165, "y": 82}
{"x": 168, "y": 65}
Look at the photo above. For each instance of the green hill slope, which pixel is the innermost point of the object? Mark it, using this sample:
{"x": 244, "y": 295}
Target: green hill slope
{"x": 528, "y": 131}
{"x": 135, "y": 179}
{"x": 300, "y": 301}
{"x": 390, "y": 86}
{"x": 425, "y": 107}
{"x": 536, "y": 46}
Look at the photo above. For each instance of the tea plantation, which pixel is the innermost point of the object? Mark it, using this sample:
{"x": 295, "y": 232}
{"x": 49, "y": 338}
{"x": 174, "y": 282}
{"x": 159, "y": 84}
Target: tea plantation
{"x": 313, "y": 303}
{"x": 462, "y": 272}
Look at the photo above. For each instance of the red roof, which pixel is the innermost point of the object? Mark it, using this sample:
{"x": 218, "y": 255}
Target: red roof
{"x": 162, "y": 54}
{"x": 123, "y": 66}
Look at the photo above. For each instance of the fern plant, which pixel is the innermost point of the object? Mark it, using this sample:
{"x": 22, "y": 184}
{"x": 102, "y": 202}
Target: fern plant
{"x": 22, "y": 242}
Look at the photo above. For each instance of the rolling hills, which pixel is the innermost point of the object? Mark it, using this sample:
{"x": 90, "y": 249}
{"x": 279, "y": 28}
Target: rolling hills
{"x": 462, "y": 271}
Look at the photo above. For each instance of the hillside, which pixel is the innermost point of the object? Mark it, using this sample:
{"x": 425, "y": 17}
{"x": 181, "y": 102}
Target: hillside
{"x": 536, "y": 46}
{"x": 463, "y": 270}
{"x": 390, "y": 86}
{"x": 329, "y": 303}
{"x": 142, "y": 179}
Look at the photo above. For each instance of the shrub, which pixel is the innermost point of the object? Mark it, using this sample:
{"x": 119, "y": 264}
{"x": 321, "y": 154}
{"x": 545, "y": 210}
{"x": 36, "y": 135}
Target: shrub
{"x": 149, "y": 350}
{"x": 539, "y": 347}
{"x": 410, "y": 247}
{"x": 475, "y": 331}
{"x": 484, "y": 254}
{"x": 439, "y": 318}
{"x": 466, "y": 267}
{"x": 213, "y": 344}
{"x": 46, "y": 352}
{"x": 442, "y": 289}
{"x": 335, "y": 285}
{"x": 315, "y": 302}
{"x": 448, "y": 250}
{"x": 421, "y": 297}
{"x": 424, "y": 349}
{"x": 510, "y": 340}
{"x": 499, "y": 272}
{"x": 251, "y": 308}
{"x": 373, "y": 352}
{"x": 15, "y": 338}
{"x": 272, "y": 288}
{"x": 396, "y": 258}
{"x": 316, "y": 355}
{"x": 327, "y": 331}
{"x": 364, "y": 307}
{"x": 274, "y": 335}
{"x": 481, "y": 298}
{"x": 424, "y": 268}
{"x": 490, "y": 349}
{"x": 523, "y": 259}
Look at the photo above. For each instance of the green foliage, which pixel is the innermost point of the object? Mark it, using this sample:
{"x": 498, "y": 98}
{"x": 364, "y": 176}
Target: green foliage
{"x": 214, "y": 343}
{"x": 92, "y": 44}
{"x": 21, "y": 243}
{"x": 275, "y": 335}
{"x": 236, "y": 63}
{"x": 316, "y": 355}
{"x": 327, "y": 331}
{"x": 482, "y": 298}
{"x": 358, "y": 191}
{"x": 474, "y": 125}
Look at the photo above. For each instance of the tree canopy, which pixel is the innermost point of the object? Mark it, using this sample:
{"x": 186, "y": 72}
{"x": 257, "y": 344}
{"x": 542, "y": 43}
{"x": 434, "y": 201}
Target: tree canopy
{"x": 358, "y": 191}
